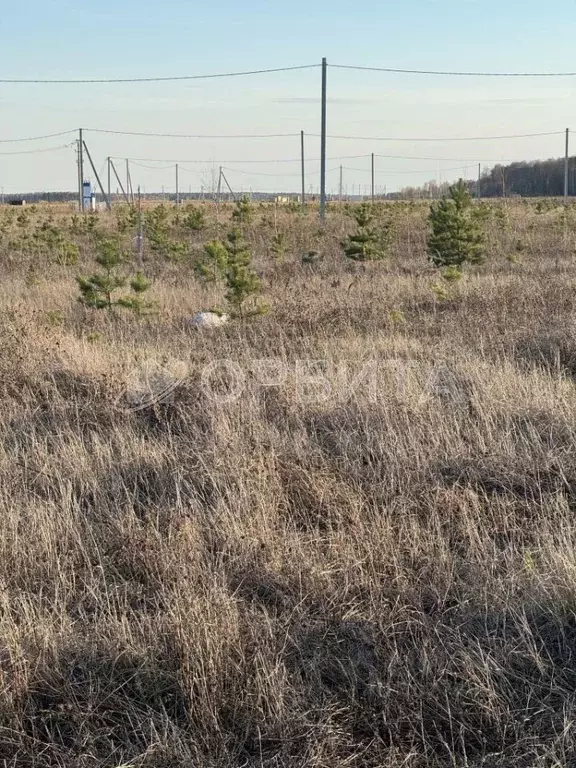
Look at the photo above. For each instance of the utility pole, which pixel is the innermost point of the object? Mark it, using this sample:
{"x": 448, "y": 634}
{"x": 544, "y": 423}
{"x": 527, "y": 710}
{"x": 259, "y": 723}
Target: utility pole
{"x": 140, "y": 236}
{"x": 219, "y": 193}
{"x": 303, "y": 169}
{"x": 109, "y": 182}
{"x": 372, "y": 176}
{"x": 340, "y": 190}
{"x": 323, "y": 143}
{"x": 223, "y": 176}
{"x": 106, "y": 198}
{"x": 566, "y": 164}
{"x": 119, "y": 182}
{"x": 129, "y": 181}
{"x": 478, "y": 185}
{"x": 177, "y": 187}
{"x": 81, "y": 169}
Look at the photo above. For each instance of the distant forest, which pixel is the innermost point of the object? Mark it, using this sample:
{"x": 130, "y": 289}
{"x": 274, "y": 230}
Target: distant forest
{"x": 539, "y": 178}
{"x": 536, "y": 178}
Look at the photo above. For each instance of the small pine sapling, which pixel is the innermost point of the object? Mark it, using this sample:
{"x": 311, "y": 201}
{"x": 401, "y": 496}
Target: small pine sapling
{"x": 455, "y": 236}
{"x": 230, "y": 262}
{"x": 278, "y": 246}
{"x": 195, "y": 219}
{"x": 243, "y": 211}
{"x": 211, "y": 266}
{"x": 368, "y": 243}
{"x": 99, "y": 290}
{"x": 136, "y": 302}
{"x": 241, "y": 280}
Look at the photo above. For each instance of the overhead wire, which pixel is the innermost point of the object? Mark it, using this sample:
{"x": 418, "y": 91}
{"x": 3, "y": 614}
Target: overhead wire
{"x": 149, "y": 167}
{"x": 37, "y": 151}
{"x": 255, "y": 173}
{"x": 37, "y": 138}
{"x": 194, "y": 136}
{"x": 175, "y": 78}
{"x": 451, "y": 73}
{"x": 442, "y": 159}
{"x": 444, "y": 140}
{"x": 271, "y": 70}
{"x": 247, "y": 162}
{"x": 393, "y": 171}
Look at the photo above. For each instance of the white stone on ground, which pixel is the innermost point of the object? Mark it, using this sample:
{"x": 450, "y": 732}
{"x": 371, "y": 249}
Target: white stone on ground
{"x": 208, "y": 320}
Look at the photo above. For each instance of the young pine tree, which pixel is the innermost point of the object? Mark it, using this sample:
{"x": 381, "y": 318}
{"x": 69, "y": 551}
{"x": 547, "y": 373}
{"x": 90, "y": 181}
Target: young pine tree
{"x": 211, "y": 266}
{"x": 243, "y": 211}
{"x": 368, "y": 243}
{"x": 455, "y": 236}
{"x": 100, "y": 289}
{"x": 230, "y": 262}
{"x": 240, "y": 279}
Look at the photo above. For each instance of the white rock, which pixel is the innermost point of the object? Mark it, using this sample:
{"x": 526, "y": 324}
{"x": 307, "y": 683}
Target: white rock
{"x": 208, "y": 320}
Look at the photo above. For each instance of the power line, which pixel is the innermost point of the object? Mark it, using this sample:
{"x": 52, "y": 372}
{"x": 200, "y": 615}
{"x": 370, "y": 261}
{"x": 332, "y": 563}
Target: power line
{"x": 444, "y": 159}
{"x": 444, "y": 140}
{"x": 37, "y": 151}
{"x": 258, "y": 173}
{"x": 453, "y": 73}
{"x": 195, "y": 136}
{"x": 282, "y": 135}
{"x": 180, "y": 78}
{"x": 393, "y": 171}
{"x": 246, "y": 162}
{"x": 37, "y": 138}
{"x": 254, "y": 173}
{"x": 272, "y": 70}
{"x": 149, "y": 167}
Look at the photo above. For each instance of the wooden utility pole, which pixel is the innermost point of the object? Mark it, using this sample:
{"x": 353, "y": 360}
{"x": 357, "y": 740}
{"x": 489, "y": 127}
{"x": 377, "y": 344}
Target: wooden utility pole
{"x": 373, "y": 177}
{"x": 129, "y": 188}
{"x": 140, "y": 237}
{"x": 303, "y": 169}
{"x": 219, "y": 192}
{"x": 323, "y": 142}
{"x": 81, "y": 169}
{"x": 104, "y": 195}
{"x": 566, "y": 166}
{"x": 119, "y": 182}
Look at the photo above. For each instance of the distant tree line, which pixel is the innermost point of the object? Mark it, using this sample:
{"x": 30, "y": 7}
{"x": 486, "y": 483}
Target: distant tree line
{"x": 535, "y": 178}
{"x": 538, "y": 178}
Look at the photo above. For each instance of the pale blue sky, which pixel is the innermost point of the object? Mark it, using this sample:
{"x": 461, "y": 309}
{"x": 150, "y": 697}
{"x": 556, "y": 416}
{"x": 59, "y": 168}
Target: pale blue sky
{"x": 60, "y": 38}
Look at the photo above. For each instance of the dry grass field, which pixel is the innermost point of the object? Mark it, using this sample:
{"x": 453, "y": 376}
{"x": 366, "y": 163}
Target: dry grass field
{"x": 366, "y": 557}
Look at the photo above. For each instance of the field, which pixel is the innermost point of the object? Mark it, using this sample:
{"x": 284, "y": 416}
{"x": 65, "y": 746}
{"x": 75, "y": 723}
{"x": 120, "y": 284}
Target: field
{"x": 352, "y": 544}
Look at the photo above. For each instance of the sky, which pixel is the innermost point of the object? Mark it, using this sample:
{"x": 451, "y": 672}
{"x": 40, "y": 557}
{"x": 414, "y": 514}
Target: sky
{"x": 46, "y": 39}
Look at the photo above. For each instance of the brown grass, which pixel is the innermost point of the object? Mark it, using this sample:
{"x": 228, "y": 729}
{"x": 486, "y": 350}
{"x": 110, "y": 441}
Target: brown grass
{"x": 376, "y": 578}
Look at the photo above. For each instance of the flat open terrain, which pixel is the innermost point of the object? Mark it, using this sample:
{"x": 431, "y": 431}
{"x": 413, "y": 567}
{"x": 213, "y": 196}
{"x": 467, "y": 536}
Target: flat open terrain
{"x": 361, "y": 553}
